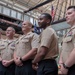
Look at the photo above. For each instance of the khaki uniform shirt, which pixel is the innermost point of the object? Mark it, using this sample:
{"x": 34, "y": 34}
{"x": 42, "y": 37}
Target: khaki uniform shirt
{"x": 68, "y": 44}
{"x": 48, "y": 38}
{"x": 7, "y": 48}
{"x": 25, "y": 43}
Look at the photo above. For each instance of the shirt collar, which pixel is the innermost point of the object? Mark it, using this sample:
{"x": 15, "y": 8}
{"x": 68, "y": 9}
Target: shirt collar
{"x": 6, "y": 40}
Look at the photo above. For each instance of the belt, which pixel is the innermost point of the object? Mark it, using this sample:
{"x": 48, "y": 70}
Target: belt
{"x": 51, "y": 57}
{"x": 47, "y": 60}
{"x": 54, "y": 57}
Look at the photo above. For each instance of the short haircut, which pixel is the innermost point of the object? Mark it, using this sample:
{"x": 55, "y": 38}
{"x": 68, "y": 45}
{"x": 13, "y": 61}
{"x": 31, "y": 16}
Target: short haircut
{"x": 11, "y": 27}
{"x": 47, "y": 16}
{"x": 71, "y": 7}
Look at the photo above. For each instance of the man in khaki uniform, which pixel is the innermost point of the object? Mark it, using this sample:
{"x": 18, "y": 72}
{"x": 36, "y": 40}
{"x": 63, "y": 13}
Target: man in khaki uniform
{"x": 7, "y": 47}
{"x": 48, "y": 49}
{"x": 67, "y": 60}
{"x": 26, "y": 48}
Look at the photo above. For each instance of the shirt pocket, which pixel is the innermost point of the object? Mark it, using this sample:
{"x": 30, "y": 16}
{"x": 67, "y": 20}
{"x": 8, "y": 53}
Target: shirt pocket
{"x": 67, "y": 39}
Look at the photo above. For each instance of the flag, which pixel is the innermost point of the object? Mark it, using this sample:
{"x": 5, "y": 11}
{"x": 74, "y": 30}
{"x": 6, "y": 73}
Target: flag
{"x": 36, "y": 29}
{"x": 52, "y": 11}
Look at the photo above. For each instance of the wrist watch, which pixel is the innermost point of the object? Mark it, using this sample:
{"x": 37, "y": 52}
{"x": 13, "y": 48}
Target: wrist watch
{"x": 21, "y": 60}
{"x": 66, "y": 67}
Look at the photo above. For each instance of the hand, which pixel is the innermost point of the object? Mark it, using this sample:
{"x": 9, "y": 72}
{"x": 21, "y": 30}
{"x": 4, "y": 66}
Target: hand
{"x": 60, "y": 73}
{"x": 6, "y": 63}
{"x": 59, "y": 69}
{"x": 18, "y": 62}
{"x": 63, "y": 70}
{"x": 35, "y": 66}
{"x": 0, "y": 59}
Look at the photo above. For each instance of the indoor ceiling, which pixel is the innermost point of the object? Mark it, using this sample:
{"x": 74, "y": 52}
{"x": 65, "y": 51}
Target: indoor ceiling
{"x": 59, "y": 7}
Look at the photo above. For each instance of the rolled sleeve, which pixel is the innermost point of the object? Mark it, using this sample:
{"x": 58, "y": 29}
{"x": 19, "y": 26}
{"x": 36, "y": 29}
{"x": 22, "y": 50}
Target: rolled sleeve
{"x": 35, "y": 41}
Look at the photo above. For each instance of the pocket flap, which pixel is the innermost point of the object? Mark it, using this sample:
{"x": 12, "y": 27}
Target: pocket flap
{"x": 25, "y": 40}
{"x": 2, "y": 47}
{"x": 12, "y": 48}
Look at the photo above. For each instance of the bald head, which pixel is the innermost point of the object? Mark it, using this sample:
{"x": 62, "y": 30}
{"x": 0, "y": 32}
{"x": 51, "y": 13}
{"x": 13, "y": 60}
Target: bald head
{"x": 27, "y": 23}
{"x": 26, "y": 26}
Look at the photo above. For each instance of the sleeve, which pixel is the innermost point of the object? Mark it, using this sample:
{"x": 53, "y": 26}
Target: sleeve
{"x": 35, "y": 41}
{"x": 15, "y": 44}
{"x": 47, "y": 38}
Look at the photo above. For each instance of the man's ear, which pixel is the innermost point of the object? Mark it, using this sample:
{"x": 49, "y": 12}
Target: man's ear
{"x": 48, "y": 21}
